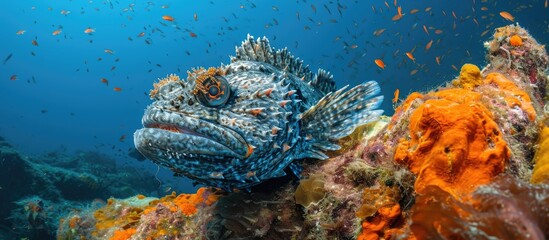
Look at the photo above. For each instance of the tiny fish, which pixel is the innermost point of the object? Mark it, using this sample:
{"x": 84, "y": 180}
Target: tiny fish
{"x": 117, "y": 89}
{"x": 56, "y": 32}
{"x": 13, "y": 77}
{"x": 380, "y": 63}
{"x": 20, "y": 32}
{"x": 34, "y": 42}
{"x": 195, "y": 16}
{"x": 428, "y": 45}
{"x": 109, "y": 51}
{"x": 168, "y": 18}
{"x": 395, "y": 98}
{"x": 410, "y": 56}
{"x": 8, "y": 58}
{"x": 122, "y": 138}
{"x": 89, "y": 30}
{"x": 105, "y": 81}
{"x": 379, "y": 32}
{"x": 507, "y": 16}
{"x": 193, "y": 35}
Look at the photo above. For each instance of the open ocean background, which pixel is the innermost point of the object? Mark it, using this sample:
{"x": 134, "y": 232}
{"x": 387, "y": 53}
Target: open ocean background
{"x": 53, "y": 100}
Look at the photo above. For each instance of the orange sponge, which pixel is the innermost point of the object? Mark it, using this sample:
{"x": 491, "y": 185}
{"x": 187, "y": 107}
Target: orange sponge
{"x": 455, "y": 144}
{"x": 515, "y": 41}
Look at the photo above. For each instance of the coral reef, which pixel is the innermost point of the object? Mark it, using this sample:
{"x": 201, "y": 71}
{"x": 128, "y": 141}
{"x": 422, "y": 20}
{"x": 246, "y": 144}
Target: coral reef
{"x": 140, "y": 217}
{"x": 452, "y": 163}
{"x": 43, "y": 189}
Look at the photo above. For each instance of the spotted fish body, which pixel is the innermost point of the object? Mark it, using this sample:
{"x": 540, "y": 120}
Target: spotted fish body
{"x": 238, "y": 125}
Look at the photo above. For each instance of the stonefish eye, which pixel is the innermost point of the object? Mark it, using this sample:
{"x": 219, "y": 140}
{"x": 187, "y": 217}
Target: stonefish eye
{"x": 214, "y": 91}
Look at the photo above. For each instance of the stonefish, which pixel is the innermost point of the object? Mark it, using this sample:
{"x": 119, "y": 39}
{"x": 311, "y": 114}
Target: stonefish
{"x": 238, "y": 125}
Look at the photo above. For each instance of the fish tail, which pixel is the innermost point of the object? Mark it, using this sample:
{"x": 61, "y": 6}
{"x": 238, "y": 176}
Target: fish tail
{"x": 337, "y": 115}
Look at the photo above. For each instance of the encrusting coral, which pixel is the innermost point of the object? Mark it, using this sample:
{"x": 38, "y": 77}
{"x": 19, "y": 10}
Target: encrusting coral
{"x": 450, "y": 163}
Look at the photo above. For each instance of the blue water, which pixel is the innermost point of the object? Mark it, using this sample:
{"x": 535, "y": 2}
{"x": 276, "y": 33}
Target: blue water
{"x": 58, "y": 101}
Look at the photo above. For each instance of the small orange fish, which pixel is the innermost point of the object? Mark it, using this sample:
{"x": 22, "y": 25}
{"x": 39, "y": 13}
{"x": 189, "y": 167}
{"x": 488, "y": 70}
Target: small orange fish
{"x": 410, "y": 56}
{"x": 425, "y": 29}
{"x": 438, "y": 31}
{"x": 117, "y": 89}
{"x": 192, "y": 34}
{"x": 454, "y": 15}
{"x": 34, "y": 42}
{"x": 437, "y": 59}
{"x": 414, "y": 11}
{"x": 484, "y": 8}
{"x": 109, "y": 51}
{"x": 507, "y": 16}
{"x": 399, "y": 10}
{"x": 428, "y": 9}
{"x": 396, "y": 17}
{"x": 353, "y": 46}
{"x": 380, "y": 63}
{"x": 395, "y": 99}
{"x": 105, "y": 81}
{"x": 387, "y": 4}
{"x": 195, "y": 16}
{"x": 141, "y": 34}
{"x": 20, "y": 32}
{"x": 13, "y": 77}
{"x": 168, "y": 18}
{"x": 428, "y": 46}
{"x": 413, "y": 72}
{"x": 89, "y": 30}
{"x": 56, "y": 32}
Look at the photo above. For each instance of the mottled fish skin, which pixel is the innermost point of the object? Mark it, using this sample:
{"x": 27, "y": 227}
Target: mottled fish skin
{"x": 273, "y": 115}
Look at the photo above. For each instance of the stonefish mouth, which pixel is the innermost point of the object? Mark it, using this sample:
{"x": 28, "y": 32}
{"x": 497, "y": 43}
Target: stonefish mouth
{"x": 176, "y": 136}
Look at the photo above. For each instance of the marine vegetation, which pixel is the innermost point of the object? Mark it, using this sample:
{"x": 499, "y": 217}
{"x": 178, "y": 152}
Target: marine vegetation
{"x": 238, "y": 125}
{"x": 456, "y": 162}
